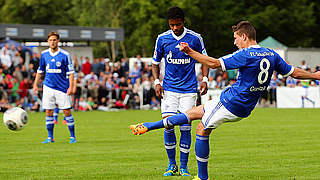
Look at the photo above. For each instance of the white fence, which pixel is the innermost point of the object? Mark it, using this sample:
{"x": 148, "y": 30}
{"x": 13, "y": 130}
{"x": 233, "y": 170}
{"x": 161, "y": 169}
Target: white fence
{"x": 297, "y": 97}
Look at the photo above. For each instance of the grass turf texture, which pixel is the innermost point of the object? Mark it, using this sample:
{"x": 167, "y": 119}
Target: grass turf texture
{"x": 270, "y": 144}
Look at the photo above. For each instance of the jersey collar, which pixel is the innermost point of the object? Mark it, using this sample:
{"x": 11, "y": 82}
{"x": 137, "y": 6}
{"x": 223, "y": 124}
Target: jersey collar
{"x": 254, "y": 46}
{"x": 54, "y": 54}
{"x": 181, "y": 36}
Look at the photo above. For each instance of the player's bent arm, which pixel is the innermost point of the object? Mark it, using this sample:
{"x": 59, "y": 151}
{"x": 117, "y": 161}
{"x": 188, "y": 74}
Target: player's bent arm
{"x": 303, "y": 74}
{"x": 203, "y": 59}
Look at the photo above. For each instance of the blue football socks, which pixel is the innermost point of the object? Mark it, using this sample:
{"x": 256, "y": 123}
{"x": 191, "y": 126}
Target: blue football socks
{"x": 70, "y": 123}
{"x": 202, "y": 155}
{"x": 170, "y": 144}
{"x": 185, "y": 143}
{"x": 168, "y": 122}
{"x": 56, "y": 113}
{"x": 50, "y": 126}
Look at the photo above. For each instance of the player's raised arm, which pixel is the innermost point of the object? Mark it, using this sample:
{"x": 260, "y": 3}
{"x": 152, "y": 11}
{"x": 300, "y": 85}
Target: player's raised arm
{"x": 203, "y": 59}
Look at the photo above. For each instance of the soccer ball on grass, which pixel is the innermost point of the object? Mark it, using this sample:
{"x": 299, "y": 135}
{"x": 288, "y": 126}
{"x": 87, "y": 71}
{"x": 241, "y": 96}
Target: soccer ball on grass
{"x": 15, "y": 118}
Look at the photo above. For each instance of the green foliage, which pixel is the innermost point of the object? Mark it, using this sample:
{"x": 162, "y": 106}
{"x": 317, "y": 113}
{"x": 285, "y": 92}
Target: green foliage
{"x": 36, "y": 12}
{"x": 294, "y": 23}
{"x": 270, "y": 144}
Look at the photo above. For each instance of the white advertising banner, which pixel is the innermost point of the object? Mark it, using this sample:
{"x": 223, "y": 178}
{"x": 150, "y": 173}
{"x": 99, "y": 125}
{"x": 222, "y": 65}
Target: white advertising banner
{"x": 298, "y": 97}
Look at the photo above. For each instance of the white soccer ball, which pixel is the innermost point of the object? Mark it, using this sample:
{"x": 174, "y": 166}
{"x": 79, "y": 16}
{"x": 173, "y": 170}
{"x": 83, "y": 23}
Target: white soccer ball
{"x": 15, "y": 118}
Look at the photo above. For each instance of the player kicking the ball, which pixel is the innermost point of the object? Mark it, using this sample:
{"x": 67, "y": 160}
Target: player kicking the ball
{"x": 256, "y": 65}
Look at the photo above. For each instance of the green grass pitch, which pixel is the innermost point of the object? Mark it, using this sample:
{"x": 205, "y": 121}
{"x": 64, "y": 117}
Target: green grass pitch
{"x": 270, "y": 144}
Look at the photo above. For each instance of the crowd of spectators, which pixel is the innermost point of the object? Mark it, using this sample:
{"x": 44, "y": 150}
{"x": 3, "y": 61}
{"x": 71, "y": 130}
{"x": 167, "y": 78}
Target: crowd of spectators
{"x": 102, "y": 85}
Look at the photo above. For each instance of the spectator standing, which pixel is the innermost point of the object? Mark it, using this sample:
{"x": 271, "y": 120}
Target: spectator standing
{"x": 17, "y": 59}
{"x": 96, "y": 66}
{"x": 5, "y": 58}
{"x": 135, "y": 73}
{"x": 12, "y": 51}
{"x": 86, "y": 66}
{"x": 22, "y": 53}
{"x": 23, "y": 88}
{"x": 77, "y": 64}
{"x": 35, "y": 61}
{"x": 124, "y": 68}
{"x": 139, "y": 62}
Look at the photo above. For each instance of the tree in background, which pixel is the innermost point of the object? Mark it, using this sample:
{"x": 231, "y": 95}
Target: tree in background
{"x": 295, "y": 23}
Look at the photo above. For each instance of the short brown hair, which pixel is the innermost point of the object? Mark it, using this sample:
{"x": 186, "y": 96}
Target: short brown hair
{"x": 53, "y": 33}
{"x": 245, "y": 27}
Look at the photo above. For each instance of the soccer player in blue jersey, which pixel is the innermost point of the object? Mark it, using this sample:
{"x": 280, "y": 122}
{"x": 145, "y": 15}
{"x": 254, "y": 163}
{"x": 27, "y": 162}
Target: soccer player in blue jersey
{"x": 179, "y": 89}
{"x": 256, "y": 65}
{"x": 57, "y": 85}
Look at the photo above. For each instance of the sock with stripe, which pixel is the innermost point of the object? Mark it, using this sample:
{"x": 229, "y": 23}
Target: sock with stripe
{"x": 70, "y": 123}
{"x": 171, "y": 121}
{"x": 202, "y": 155}
{"x": 56, "y": 113}
{"x": 50, "y": 126}
{"x": 185, "y": 143}
{"x": 170, "y": 144}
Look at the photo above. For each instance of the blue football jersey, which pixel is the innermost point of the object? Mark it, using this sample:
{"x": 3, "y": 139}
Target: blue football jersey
{"x": 179, "y": 73}
{"x": 56, "y": 66}
{"x": 256, "y": 65}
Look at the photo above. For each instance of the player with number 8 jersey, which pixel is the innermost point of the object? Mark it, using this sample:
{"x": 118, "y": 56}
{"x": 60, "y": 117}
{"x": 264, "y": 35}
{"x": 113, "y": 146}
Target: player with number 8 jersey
{"x": 255, "y": 65}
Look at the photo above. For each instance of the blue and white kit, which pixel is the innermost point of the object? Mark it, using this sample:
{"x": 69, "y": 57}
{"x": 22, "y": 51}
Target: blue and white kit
{"x": 56, "y": 66}
{"x": 256, "y": 65}
{"x": 180, "y": 81}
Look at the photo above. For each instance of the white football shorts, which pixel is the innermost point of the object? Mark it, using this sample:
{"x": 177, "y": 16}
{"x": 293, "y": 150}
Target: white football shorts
{"x": 215, "y": 114}
{"x": 51, "y": 97}
{"x": 172, "y": 102}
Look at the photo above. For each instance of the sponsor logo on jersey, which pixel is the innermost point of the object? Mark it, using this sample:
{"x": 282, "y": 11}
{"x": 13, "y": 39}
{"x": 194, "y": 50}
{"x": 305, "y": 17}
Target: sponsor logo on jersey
{"x": 177, "y": 61}
{"x": 53, "y": 71}
{"x": 58, "y": 64}
{"x": 260, "y": 88}
{"x": 52, "y": 60}
{"x": 48, "y": 70}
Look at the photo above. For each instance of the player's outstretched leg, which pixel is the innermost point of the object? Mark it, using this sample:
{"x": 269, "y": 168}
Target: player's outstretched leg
{"x": 50, "y": 127}
{"x": 185, "y": 143}
{"x": 166, "y": 122}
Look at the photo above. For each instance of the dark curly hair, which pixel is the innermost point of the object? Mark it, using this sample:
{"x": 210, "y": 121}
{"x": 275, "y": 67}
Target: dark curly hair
{"x": 175, "y": 13}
